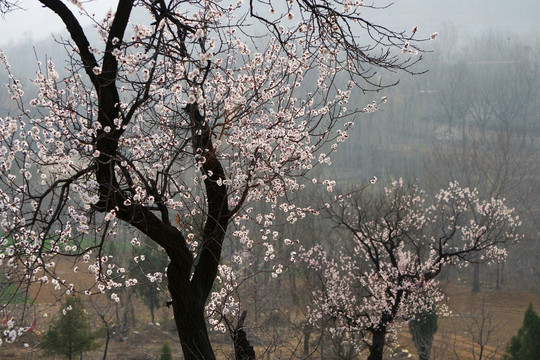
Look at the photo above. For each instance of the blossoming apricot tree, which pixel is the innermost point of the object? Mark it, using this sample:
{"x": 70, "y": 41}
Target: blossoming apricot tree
{"x": 190, "y": 114}
{"x": 401, "y": 239}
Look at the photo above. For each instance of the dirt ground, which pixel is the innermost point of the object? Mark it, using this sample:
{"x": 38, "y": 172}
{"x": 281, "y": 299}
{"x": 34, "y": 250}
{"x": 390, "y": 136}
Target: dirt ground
{"x": 489, "y": 317}
{"x": 496, "y": 314}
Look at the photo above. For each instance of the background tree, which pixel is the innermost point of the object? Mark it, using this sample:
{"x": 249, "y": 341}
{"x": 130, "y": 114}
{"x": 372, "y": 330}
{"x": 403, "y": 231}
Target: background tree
{"x": 150, "y": 283}
{"x": 423, "y": 328}
{"x": 452, "y": 94}
{"x": 69, "y": 335}
{"x": 105, "y": 312}
{"x": 190, "y": 113}
{"x": 400, "y": 240}
{"x": 482, "y": 328}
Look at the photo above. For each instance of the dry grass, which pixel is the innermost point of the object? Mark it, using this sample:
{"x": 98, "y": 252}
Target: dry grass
{"x": 500, "y": 312}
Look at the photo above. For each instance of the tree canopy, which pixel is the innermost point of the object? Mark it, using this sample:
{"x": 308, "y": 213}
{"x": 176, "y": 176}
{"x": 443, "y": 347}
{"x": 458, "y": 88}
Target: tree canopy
{"x": 401, "y": 238}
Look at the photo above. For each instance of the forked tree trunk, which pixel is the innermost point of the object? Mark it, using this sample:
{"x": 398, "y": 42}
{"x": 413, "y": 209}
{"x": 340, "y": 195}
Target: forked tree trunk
{"x": 189, "y": 318}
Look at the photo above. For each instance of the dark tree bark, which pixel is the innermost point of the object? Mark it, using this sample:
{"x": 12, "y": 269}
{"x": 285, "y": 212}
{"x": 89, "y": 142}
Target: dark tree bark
{"x": 107, "y": 340}
{"x": 307, "y": 330}
{"x": 242, "y": 348}
{"x": 377, "y": 344}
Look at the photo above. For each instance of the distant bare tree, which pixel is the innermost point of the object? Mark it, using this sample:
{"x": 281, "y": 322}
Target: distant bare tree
{"x": 481, "y": 329}
{"x": 452, "y": 92}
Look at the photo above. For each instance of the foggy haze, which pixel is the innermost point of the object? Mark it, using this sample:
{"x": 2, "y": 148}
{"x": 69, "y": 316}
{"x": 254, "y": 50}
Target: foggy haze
{"x": 467, "y": 113}
{"x": 470, "y": 18}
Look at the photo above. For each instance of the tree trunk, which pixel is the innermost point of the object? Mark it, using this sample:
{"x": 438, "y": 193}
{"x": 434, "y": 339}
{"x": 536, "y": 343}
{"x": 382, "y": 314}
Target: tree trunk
{"x": 498, "y": 278}
{"x": 242, "y": 348}
{"x": 322, "y": 344}
{"x": 189, "y": 317}
{"x": 292, "y": 279}
{"x": 377, "y": 345}
{"x": 476, "y": 277}
{"x": 117, "y": 312}
{"x": 307, "y": 335}
{"x": 107, "y": 339}
{"x": 128, "y": 318}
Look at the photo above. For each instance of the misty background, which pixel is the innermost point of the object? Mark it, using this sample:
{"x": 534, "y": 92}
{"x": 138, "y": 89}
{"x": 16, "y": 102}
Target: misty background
{"x": 471, "y": 113}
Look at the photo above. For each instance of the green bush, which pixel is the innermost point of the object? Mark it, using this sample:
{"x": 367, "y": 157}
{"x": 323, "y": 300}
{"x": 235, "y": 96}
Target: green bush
{"x": 526, "y": 344}
{"x": 69, "y": 335}
{"x": 166, "y": 352}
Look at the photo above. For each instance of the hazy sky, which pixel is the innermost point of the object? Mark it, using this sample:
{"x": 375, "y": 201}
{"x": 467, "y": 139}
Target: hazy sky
{"x": 39, "y": 22}
{"x": 472, "y": 17}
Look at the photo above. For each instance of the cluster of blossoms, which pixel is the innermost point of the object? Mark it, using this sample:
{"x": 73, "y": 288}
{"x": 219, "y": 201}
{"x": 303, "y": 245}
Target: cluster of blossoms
{"x": 398, "y": 250}
{"x": 11, "y": 332}
{"x": 222, "y": 307}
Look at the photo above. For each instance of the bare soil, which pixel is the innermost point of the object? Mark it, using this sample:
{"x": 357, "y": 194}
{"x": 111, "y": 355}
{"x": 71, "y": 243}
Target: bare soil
{"x": 490, "y": 317}
{"x": 498, "y": 314}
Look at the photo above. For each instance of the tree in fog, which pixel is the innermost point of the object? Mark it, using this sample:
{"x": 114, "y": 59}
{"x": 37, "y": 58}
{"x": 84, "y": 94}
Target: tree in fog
{"x": 423, "y": 328}
{"x": 496, "y": 152}
{"x": 500, "y": 164}
{"x": 401, "y": 238}
{"x": 189, "y": 114}
{"x": 452, "y": 93}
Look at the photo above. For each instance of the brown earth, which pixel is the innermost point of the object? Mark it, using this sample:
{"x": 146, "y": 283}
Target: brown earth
{"x": 498, "y": 314}
{"x": 490, "y": 317}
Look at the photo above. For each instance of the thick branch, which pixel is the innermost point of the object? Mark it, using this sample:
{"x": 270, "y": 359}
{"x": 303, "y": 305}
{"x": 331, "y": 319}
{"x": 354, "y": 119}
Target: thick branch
{"x": 77, "y": 34}
{"x": 217, "y": 201}
{"x": 116, "y": 34}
